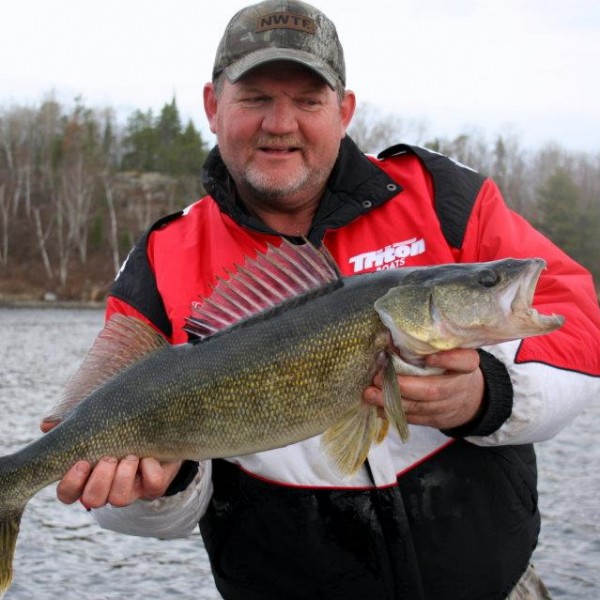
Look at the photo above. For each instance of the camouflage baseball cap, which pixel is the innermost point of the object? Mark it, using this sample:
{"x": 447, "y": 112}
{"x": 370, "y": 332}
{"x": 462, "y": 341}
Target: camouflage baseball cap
{"x": 281, "y": 30}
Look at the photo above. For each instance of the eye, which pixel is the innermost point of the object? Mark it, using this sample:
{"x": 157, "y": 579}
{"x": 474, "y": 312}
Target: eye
{"x": 309, "y": 103}
{"x": 488, "y": 277}
{"x": 252, "y": 101}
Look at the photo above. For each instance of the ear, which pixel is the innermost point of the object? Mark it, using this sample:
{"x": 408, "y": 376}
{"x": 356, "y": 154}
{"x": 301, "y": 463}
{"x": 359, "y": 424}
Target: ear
{"x": 347, "y": 109}
{"x": 210, "y": 106}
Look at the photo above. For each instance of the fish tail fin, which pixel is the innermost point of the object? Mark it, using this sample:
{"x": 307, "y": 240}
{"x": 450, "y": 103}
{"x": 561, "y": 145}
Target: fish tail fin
{"x": 347, "y": 443}
{"x": 14, "y": 495}
{"x": 392, "y": 401}
{"x": 9, "y": 530}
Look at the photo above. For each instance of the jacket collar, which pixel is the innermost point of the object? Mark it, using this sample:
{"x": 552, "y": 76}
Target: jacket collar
{"x": 355, "y": 187}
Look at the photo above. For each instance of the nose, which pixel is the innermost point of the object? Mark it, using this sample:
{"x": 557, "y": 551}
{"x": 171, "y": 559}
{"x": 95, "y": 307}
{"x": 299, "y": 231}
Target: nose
{"x": 280, "y": 118}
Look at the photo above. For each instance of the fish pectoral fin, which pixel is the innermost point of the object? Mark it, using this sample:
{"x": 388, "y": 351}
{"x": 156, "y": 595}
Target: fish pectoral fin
{"x": 347, "y": 443}
{"x": 392, "y": 401}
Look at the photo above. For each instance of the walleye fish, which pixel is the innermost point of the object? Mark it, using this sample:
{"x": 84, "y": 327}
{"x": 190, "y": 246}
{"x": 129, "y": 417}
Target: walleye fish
{"x": 280, "y": 352}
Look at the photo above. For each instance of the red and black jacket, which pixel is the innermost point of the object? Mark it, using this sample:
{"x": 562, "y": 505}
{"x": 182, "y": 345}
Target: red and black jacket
{"x": 445, "y": 518}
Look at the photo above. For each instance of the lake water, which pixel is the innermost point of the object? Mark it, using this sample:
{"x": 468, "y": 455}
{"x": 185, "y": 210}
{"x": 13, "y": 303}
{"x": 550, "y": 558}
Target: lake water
{"x": 61, "y": 553}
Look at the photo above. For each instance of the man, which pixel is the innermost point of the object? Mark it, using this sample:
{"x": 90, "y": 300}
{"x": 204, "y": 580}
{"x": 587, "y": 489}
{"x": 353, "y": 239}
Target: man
{"x": 453, "y": 513}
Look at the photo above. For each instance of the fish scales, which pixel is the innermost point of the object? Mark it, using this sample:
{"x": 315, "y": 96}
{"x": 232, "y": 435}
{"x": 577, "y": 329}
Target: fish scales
{"x": 276, "y": 382}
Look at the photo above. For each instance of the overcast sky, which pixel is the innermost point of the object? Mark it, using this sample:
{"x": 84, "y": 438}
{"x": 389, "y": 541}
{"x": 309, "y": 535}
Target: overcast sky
{"x": 530, "y": 67}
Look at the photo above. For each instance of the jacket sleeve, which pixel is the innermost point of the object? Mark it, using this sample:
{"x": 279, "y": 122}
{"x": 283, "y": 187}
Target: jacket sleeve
{"x": 556, "y": 375}
{"x": 169, "y": 517}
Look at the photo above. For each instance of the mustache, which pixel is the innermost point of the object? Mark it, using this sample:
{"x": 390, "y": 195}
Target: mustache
{"x": 279, "y": 141}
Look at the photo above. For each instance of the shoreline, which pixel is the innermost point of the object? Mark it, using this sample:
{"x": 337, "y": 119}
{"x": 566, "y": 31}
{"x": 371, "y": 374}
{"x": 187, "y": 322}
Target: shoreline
{"x": 49, "y": 304}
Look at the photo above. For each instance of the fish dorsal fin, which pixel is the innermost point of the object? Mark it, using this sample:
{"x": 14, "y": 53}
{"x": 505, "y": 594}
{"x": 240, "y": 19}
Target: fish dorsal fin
{"x": 122, "y": 342}
{"x": 279, "y": 274}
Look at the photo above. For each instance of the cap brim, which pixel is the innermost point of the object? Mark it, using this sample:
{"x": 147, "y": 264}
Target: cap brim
{"x": 240, "y": 67}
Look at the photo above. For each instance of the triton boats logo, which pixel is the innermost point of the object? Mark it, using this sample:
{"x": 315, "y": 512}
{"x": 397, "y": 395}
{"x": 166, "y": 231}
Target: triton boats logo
{"x": 390, "y": 257}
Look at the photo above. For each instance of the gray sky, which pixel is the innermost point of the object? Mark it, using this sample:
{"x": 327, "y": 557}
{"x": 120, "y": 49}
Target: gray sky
{"x": 529, "y": 67}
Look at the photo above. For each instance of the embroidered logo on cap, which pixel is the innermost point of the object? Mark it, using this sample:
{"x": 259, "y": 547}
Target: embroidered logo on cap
{"x": 286, "y": 20}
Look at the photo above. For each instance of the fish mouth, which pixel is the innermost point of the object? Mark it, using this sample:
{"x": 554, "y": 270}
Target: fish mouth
{"x": 465, "y": 314}
{"x": 520, "y": 306}
{"x": 525, "y": 287}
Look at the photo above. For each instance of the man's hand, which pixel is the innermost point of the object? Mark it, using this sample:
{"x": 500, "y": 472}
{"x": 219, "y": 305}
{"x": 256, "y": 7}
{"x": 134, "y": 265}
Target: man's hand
{"x": 112, "y": 481}
{"x": 444, "y": 401}
{"x": 116, "y": 482}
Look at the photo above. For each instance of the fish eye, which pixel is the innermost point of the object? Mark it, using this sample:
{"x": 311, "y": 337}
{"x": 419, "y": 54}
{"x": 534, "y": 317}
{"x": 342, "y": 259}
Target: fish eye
{"x": 488, "y": 277}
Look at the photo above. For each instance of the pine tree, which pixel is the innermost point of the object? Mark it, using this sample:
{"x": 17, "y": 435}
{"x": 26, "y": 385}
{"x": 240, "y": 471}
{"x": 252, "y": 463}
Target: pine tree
{"x": 566, "y": 222}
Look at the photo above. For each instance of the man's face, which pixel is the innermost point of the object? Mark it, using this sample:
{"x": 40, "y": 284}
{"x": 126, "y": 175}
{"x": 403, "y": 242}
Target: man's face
{"x": 279, "y": 130}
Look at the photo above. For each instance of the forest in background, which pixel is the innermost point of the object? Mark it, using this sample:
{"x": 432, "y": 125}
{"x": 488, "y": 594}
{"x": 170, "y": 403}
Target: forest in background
{"x": 77, "y": 188}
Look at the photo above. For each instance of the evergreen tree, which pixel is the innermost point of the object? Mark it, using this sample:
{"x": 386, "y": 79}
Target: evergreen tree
{"x": 141, "y": 142}
{"x": 168, "y": 130}
{"x": 189, "y": 152}
{"x": 566, "y": 222}
{"x": 162, "y": 145}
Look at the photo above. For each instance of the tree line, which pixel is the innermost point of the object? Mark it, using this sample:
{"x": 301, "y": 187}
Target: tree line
{"x": 77, "y": 188}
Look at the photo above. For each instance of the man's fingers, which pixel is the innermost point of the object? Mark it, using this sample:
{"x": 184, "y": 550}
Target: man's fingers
{"x": 98, "y": 486}
{"x": 157, "y": 476}
{"x": 460, "y": 360}
{"x": 116, "y": 482}
{"x": 126, "y": 485}
{"x": 73, "y": 483}
{"x": 46, "y": 426}
{"x": 373, "y": 395}
{"x": 153, "y": 478}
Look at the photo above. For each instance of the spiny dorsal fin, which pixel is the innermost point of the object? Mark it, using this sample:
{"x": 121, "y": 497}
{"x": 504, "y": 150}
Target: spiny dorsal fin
{"x": 122, "y": 342}
{"x": 261, "y": 283}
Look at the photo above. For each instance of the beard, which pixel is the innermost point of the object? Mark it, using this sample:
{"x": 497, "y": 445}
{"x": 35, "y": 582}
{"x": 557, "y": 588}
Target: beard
{"x": 271, "y": 186}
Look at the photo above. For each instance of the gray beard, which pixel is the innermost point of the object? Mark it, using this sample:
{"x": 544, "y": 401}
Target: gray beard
{"x": 262, "y": 187}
